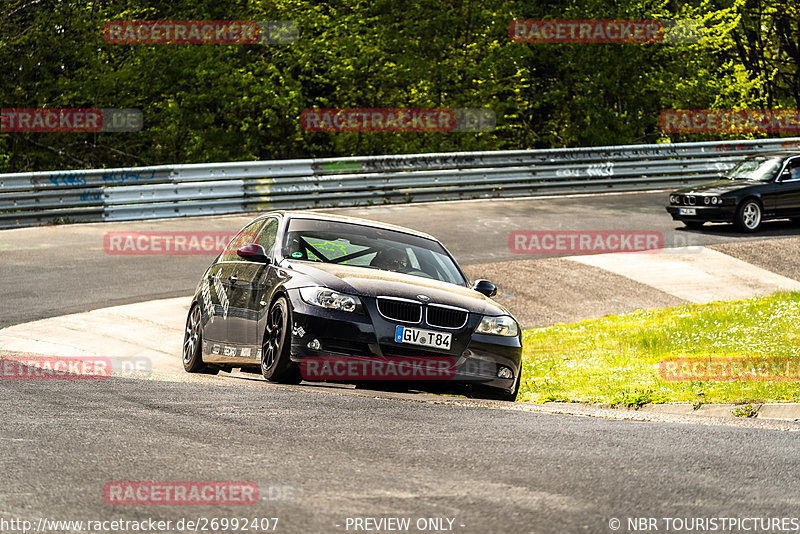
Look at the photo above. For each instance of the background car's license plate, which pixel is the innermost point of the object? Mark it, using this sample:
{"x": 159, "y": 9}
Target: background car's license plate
{"x": 688, "y": 211}
{"x": 426, "y": 338}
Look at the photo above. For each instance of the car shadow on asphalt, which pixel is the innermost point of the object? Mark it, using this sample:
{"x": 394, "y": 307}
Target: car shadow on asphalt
{"x": 778, "y": 228}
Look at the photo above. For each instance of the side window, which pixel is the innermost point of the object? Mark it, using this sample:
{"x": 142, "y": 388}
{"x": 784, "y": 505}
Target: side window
{"x": 268, "y": 234}
{"x": 247, "y": 235}
{"x": 794, "y": 169}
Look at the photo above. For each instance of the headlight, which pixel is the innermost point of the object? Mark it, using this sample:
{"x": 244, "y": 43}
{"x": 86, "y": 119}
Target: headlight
{"x": 498, "y": 326}
{"x": 706, "y": 200}
{"x": 673, "y": 199}
{"x": 328, "y": 298}
{"x": 716, "y": 200}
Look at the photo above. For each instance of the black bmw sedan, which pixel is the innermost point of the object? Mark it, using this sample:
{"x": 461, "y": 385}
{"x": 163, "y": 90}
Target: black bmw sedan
{"x": 761, "y": 187}
{"x": 304, "y": 295}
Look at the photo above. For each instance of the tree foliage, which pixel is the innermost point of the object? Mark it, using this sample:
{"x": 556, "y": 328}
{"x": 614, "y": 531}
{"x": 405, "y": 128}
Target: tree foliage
{"x": 204, "y": 103}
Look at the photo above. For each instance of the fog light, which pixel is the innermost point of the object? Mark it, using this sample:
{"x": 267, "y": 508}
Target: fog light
{"x": 505, "y": 372}
{"x": 314, "y": 344}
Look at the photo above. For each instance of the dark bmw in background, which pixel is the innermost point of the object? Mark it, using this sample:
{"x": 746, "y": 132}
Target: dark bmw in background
{"x": 761, "y": 187}
{"x": 297, "y": 285}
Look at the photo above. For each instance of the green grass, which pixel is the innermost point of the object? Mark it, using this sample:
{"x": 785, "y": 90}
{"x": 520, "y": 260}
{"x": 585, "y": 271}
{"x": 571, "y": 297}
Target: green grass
{"x": 615, "y": 360}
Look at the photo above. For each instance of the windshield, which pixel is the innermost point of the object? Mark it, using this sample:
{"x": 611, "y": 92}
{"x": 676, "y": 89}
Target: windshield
{"x": 371, "y": 248}
{"x": 759, "y": 168}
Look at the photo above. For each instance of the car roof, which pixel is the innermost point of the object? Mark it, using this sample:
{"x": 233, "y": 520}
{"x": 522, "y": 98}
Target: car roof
{"x": 319, "y": 216}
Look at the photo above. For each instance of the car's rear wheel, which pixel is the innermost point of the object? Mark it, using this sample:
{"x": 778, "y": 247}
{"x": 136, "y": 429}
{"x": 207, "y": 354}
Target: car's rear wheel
{"x": 694, "y": 225}
{"x": 748, "y": 216}
{"x": 193, "y": 344}
{"x": 276, "y": 364}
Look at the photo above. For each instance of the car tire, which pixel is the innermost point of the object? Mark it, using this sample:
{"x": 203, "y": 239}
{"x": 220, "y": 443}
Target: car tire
{"x": 276, "y": 363}
{"x": 749, "y": 215}
{"x": 693, "y": 225}
{"x": 193, "y": 344}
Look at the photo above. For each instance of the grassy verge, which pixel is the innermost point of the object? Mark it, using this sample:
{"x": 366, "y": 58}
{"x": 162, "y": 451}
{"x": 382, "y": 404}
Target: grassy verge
{"x": 616, "y": 359}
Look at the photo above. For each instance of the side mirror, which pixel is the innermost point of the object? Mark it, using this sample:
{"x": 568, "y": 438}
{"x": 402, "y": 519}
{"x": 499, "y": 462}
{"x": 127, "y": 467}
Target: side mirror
{"x": 485, "y": 287}
{"x": 253, "y": 252}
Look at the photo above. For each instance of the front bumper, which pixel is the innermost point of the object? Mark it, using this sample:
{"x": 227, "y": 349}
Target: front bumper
{"x": 476, "y": 358}
{"x": 704, "y": 213}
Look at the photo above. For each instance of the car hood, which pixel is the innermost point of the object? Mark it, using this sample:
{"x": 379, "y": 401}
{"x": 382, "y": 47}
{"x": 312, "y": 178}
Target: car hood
{"x": 368, "y": 282}
{"x": 718, "y": 187}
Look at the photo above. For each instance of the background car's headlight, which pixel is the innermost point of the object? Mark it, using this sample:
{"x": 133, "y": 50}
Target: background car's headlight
{"x": 328, "y": 298}
{"x": 716, "y": 200}
{"x": 499, "y": 326}
{"x": 673, "y": 199}
{"x": 706, "y": 200}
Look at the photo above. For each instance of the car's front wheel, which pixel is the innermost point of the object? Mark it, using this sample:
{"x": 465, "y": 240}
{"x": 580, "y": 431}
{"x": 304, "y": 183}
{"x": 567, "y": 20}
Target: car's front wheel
{"x": 276, "y": 364}
{"x": 748, "y": 216}
{"x": 193, "y": 344}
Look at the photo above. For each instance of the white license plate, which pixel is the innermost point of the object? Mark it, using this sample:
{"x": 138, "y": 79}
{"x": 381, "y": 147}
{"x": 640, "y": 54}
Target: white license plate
{"x": 424, "y": 338}
{"x": 687, "y": 211}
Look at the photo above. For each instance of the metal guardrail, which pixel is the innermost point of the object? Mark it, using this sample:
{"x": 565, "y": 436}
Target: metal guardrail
{"x": 164, "y": 191}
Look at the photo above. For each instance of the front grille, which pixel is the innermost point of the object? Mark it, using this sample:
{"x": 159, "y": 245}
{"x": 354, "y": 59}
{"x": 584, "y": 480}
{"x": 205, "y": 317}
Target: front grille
{"x": 405, "y": 311}
{"x": 446, "y": 316}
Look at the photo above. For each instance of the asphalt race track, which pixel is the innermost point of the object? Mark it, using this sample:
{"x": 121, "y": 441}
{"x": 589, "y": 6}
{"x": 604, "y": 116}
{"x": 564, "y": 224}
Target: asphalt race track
{"x": 52, "y": 271}
{"x": 347, "y": 456}
{"x": 321, "y": 455}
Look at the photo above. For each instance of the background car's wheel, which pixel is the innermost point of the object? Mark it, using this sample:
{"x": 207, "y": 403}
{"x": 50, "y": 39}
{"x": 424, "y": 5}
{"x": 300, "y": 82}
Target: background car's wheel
{"x": 748, "y": 216}
{"x": 193, "y": 344}
{"x": 694, "y": 225}
{"x": 276, "y": 365}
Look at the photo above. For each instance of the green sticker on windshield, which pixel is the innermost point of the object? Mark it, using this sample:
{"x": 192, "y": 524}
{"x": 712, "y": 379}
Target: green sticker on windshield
{"x": 297, "y": 254}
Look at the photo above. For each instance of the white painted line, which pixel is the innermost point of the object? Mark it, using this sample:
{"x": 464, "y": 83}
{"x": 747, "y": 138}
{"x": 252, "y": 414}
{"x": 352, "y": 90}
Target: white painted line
{"x": 701, "y": 276}
{"x": 151, "y": 330}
